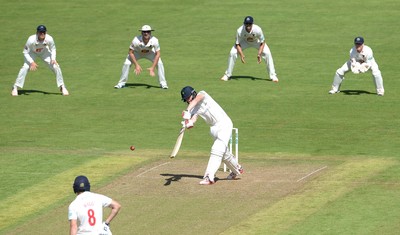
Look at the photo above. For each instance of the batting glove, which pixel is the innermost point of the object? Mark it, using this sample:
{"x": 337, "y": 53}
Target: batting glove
{"x": 189, "y": 124}
{"x": 186, "y": 115}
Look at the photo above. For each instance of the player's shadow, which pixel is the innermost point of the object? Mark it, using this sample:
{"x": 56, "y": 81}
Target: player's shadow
{"x": 357, "y": 92}
{"x": 134, "y": 85}
{"x": 176, "y": 177}
{"x": 248, "y": 77}
{"x": 28, "y": 92}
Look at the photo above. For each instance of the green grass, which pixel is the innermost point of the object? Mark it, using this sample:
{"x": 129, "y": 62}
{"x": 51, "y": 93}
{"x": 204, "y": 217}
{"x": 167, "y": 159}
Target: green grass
{"x": 46, "y": 139}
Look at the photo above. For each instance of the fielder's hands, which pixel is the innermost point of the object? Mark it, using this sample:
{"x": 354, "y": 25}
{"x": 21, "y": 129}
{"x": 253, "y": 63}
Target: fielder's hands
{"x": 364, "y": 67}
{"x": 105, "y": 229}
{"x": 151, "y": 70}
{"x": 242, "y": 59}
{"x": 259, "y": 58}
{"x": 33, "y": 66}
{"x": 138, "y": 69}
{"x": 355, "y": 67}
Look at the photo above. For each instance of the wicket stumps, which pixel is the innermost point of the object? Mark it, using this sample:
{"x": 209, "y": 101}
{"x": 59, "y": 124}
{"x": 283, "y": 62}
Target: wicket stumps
{"x": 235, "y": 131}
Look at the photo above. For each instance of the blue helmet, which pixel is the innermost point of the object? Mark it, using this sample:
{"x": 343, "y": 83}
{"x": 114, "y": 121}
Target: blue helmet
{"x": 81, "y": 184}
{"x": 41, "y": 28}
{"x": 248, "y": 20}
{"x": 359, "y": 40}
{"x": 186, "y": 92}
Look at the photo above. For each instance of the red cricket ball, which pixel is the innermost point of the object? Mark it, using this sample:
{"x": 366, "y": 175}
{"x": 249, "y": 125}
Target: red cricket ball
{"x": 132, "y": 147}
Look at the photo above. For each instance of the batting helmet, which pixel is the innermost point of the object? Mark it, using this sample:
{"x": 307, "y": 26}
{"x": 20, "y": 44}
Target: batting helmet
{"x": 81, "y": 184}
{"x": 186, "y": 92}
{"x": 248, "y": 20}
{"x": 41, "y": 28}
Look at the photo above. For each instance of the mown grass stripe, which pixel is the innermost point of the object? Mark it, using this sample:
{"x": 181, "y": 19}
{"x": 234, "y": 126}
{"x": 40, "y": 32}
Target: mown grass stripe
{"x": 45, "y": 193}
{"x": 294, "y": 209}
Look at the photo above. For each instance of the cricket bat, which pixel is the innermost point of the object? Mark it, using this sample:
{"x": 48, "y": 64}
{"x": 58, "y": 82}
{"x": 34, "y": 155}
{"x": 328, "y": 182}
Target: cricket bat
{"x": 178, "y": 143}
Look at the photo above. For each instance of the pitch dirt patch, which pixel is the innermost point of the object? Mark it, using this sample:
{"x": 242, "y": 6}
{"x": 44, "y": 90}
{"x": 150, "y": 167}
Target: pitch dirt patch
{"x": 168, "y": 192}
{"x": 164, "y": 197}
{"x": 181, "y": 177}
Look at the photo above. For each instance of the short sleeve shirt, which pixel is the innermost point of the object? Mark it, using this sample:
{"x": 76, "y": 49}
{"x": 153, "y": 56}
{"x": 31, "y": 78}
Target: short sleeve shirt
{"x": 87, "y": 208}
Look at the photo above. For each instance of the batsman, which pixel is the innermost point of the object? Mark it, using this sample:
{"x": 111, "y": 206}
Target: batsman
{"x": 203, "y": 105}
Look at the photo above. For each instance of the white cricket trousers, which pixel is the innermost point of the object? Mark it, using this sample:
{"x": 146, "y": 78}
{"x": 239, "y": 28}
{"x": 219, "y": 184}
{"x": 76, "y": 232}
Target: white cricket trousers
{"x": 220, "y": 150}
{"x": 19, "y": 82}
{"x": 266, "y": 55}
{"x": 346, "y": 67}
{"x": 150, "y": 56}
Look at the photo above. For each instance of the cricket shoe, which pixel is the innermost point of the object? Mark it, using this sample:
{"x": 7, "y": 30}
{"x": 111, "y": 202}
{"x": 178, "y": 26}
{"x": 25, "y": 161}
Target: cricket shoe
{"x": 164, "y": 86}
{"x": 275, "y": 79}
{"x": 333, "y": 91}
{"x": 64, "y": 91}
{"x": 14, "y": 91}
{"x": 225, "y": 78}
{"x": 206, "y": 181}
{"x": 119, "y": 86}
{"x": 233, "y": 176}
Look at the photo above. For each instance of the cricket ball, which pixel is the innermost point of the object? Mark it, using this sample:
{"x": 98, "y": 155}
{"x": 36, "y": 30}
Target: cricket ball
{"x": 132, "y": 147}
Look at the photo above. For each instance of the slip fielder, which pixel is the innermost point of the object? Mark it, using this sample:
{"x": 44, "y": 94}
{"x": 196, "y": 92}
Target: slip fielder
{"x": 250, "y": 35}
{"x": 143, "y": 46}
{"x": 39, "y": 45}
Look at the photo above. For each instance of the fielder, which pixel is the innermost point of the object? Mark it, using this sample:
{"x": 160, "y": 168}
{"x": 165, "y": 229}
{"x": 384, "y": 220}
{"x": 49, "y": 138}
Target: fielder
{"x": 250, "y": 35}
{"x": 39, "y": 45}
{"x": 144, "y": 46}
{"x": 204, "y": 105}
{"x": 361, "y": 60}
{"x": 87, "y": 208}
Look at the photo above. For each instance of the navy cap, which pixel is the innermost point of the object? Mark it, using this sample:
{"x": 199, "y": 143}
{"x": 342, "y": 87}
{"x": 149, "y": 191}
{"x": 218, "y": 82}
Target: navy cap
{"x": 248, "y": 20}
{"x": 359, "y": 40}
{"x": 41, "y": 28}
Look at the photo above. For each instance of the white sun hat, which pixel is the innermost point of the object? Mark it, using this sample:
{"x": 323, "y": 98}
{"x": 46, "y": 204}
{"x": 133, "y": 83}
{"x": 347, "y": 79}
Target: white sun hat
{"x": 146, "y": 28}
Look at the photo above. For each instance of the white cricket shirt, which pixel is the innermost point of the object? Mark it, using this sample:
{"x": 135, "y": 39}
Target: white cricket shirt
{"x": 255, "y": 37}
{"x": 139, "y": 46}
{"x": 87, "y": 208}
{"x": 40, "y": 48}
{"x": 366, "y": 55}
{"x": 210, "y": 111}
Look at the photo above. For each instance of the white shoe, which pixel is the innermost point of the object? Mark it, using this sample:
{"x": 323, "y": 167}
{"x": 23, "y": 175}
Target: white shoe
{"x": 164, "y": 86}
{"x": 119, "y": 86}
{"x": 64, "y": 90}
{"x": 380, "y": 93}
{"x": 232, "y": 176}
{"x": 206, "y": 181}
{"x": 225, "y": 78}
{"x": 333, "y": 92}
{"x": 14, "y": 91}
{"x": 275, "y": 79}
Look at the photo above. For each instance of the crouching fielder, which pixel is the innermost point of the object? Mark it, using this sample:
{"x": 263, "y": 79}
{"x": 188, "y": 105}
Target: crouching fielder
{"x": 203, "y": 105}
{"x": 39, "y": 45}
{"x": 361, "y": 60}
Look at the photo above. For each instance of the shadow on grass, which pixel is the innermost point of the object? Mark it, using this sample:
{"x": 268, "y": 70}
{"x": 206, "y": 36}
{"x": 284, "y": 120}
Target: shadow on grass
{"x": 28, "y": 92}
{"x": 249, "y": 77}
{"x": 177, "y": 177}
{"x": 133, "y": 85}
{"x": 356, "y": 92}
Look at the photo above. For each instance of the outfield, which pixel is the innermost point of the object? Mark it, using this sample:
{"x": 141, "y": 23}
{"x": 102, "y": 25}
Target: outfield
{"x": 314, "y": 163}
